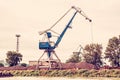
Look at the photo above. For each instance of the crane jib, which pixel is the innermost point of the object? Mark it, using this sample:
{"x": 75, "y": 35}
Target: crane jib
{"x": 62, "y": 34}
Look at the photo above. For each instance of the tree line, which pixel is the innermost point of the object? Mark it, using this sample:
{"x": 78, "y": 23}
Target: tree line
{"x": 92, "y": 53}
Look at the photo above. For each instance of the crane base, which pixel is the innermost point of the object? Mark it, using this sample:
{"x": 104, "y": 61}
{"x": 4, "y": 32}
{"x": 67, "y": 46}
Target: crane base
{"x": 49, "y": 63}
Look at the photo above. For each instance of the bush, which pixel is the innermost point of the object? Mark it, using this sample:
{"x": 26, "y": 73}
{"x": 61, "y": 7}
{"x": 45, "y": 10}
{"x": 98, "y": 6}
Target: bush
{"x": 23, "y": 64}
{"x": 1, "y": 65}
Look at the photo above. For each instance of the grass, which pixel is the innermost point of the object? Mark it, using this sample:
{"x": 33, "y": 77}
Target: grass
{"x": 63, "y": 73}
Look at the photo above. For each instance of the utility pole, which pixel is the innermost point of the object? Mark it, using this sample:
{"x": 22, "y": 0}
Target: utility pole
{"x": 17, "y": 46}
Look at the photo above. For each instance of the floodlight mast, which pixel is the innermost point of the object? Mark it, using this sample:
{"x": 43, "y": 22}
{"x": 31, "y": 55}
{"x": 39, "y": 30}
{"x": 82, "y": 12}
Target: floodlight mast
{"x": 17, "y": 46}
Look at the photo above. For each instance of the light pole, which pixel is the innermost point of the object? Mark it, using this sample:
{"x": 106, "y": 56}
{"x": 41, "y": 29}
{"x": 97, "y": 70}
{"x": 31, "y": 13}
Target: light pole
{"x": 17, "y": 46}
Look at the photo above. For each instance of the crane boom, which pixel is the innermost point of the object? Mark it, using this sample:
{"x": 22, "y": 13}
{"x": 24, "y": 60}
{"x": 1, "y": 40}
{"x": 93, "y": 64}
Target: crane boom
{"x": 62, "y": 34}
{"x": 78, "y": 10}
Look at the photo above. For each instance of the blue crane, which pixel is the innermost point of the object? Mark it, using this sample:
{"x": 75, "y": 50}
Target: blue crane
{"x": 47, "y": 45}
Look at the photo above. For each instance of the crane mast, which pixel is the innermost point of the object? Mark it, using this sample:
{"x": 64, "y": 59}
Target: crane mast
{"x": 47, "y": 47}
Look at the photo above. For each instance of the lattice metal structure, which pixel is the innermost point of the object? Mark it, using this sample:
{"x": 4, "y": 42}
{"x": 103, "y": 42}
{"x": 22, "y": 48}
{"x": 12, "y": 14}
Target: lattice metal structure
{"x": 17, "y": 45}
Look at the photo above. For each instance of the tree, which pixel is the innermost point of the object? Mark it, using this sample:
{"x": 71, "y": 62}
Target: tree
{"x": 92, "y": 54}
{"x": 112, "y": 52}
{"x": 75, "y": 58}
{"x": 13, "y": 58}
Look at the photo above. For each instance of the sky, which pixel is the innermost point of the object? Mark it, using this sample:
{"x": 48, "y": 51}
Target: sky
{"x": 28, "y": 17}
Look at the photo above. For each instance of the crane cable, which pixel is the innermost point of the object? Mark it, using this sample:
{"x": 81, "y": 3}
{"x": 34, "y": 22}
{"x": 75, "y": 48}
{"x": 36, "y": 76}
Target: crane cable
{"x": 59, "y": 19}
{"x": 55, "y": 23}
{"x": 73, "y": 7}
{"x": 91, "y": 30}
{"x": 58, "y": 22}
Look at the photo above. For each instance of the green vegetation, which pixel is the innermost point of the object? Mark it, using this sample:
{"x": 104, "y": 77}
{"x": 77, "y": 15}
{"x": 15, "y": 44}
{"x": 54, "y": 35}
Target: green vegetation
{"x": 63, "y": 73}
{"x": 13, "y": 58}
{"x": 1, "y": 65}
{"x": 92, "y": 54}
{"x": 75, "y": 58}
{"x": 112, "y": 51}
{"x": 23, "y": 64}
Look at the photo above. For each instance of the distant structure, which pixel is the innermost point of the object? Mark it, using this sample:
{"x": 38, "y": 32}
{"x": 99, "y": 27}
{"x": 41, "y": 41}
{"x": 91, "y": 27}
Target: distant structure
{"x": 17, "y": 46}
